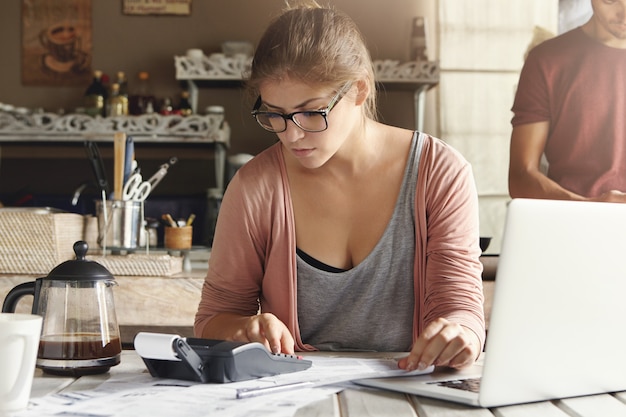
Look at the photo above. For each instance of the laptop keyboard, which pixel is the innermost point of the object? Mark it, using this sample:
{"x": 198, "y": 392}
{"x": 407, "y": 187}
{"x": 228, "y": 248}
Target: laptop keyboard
{"x": 469, "y": 384}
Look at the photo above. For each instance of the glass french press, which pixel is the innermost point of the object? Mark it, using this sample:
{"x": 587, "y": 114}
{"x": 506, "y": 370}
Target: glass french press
{"x": 80, "y": 334}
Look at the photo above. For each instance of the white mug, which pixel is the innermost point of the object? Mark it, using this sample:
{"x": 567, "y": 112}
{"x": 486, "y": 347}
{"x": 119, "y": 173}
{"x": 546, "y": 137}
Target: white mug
{"x": 19, "y": 343}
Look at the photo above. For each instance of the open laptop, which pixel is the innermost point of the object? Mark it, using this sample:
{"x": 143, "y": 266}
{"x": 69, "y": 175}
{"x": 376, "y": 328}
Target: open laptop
{"x": 557, "y": 323}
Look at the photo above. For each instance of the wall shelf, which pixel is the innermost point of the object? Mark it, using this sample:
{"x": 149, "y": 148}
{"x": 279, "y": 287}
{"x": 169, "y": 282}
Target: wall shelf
{"x": 416, "y": 76}
{"x": 218, "y": 70}
{"x": 16, "y": 126}
{"x": 199, "y": 130}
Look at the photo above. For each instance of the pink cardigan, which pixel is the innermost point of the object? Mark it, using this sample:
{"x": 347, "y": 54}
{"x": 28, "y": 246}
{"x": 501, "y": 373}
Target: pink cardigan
{"x": 254, "y": 256}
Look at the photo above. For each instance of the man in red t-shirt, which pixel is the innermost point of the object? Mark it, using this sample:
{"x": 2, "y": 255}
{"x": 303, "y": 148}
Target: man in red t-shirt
{"x": 571, "y": 106}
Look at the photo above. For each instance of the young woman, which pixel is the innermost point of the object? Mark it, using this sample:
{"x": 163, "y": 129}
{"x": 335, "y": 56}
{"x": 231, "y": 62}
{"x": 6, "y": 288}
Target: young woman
{"x": 348, "y": 234}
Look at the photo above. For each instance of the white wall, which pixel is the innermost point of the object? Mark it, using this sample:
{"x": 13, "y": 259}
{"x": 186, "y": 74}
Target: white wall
{"x": 481, "y": 47}
{"x": 573, "y": 13}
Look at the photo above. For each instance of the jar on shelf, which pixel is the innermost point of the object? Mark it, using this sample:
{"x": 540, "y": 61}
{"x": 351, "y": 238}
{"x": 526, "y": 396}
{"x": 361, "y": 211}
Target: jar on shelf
{"x": 117, "y": 104}
{"x": 218, "y": 112}
{"x": 96, "y": 96}
{"x": 184, "y": 106}
{"x": 141, "y": 101}
{"x": 166, "y": 107}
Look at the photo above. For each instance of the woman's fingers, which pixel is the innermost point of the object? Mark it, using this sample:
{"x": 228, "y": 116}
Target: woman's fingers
{"x": 271, "y": 332}
{"x": 442, "y": 343}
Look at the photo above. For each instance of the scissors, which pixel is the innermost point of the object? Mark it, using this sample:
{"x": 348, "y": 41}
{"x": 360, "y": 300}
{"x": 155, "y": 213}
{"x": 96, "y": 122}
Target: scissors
{"x": 161, "y": 172}
{"x": 136, "y": 189}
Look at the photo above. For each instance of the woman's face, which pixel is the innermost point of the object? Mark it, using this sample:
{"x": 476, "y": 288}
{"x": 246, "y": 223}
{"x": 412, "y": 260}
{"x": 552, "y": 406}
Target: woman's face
{"x": 310, "y": 149}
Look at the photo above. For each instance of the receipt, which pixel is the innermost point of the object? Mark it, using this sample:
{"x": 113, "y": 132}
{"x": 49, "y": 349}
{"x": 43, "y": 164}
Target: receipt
{"x": 156, "y": 346}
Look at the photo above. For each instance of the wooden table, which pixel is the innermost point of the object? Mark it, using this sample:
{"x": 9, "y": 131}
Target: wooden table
{"x": 364, "y": 402}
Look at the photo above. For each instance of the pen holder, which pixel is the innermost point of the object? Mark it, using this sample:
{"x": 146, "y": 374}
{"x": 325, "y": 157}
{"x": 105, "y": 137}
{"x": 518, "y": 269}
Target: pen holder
{"x": 120, "y": 228}
{"x": 178, "y": 238}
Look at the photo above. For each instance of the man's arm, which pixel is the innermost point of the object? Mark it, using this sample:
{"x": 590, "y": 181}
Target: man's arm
{"x": 525, "y": 177}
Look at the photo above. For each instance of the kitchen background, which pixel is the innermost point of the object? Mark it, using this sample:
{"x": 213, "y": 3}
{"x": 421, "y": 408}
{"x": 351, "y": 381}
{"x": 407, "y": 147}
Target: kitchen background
{"x": 479, "y": 44}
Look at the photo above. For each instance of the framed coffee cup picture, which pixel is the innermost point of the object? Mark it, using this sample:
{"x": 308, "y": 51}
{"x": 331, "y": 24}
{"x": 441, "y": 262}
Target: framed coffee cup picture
{"x": 56, "y": 42}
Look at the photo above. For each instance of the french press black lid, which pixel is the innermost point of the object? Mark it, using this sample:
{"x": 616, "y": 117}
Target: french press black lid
{"x": 80, "y": 269}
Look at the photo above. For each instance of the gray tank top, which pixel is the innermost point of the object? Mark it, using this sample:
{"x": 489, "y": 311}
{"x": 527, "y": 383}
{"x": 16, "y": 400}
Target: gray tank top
{"x": 369, "y": 307}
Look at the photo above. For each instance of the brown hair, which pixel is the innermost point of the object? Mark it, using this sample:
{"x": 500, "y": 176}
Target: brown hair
{"x": 316, "y": 45}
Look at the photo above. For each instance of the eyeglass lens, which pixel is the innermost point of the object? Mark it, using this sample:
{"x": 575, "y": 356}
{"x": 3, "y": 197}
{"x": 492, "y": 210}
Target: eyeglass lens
{"x": 310, "y": 121}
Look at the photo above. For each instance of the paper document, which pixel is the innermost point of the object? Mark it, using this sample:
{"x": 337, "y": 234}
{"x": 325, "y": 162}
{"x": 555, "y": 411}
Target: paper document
{"x": 133, "y": 394}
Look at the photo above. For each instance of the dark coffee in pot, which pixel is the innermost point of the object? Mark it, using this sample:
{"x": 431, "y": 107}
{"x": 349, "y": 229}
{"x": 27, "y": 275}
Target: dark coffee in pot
{"x": 78, "y": 354}
{"x": 78, "y": 346}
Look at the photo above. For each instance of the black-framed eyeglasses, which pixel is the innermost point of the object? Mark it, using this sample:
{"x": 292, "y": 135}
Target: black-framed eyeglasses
{"x": 308, "y": 120}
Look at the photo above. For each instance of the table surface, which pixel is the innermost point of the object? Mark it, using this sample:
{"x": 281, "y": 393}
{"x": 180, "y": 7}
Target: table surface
{"x": 364, "y": 402}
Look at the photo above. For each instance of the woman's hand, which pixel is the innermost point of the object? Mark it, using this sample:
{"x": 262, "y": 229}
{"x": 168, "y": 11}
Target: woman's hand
{"x": 612, "y": 196}
{"x": 443, "y": 343}
{"x": 267, "y": 329}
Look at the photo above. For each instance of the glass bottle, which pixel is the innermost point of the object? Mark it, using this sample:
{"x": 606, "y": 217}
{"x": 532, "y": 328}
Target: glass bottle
{"x": 142, "y": 100}
{"x": 123, "y": 82}
{"x": 95, "y": 96}
{"x": 418, "y": 45}
{"x": 166, "y": 107}
{"x": 117, "y": 103}
{"x": 184, "y": 106}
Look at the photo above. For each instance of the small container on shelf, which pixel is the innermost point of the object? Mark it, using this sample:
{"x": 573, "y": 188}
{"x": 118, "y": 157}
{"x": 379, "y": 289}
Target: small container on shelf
{"x": 117, "y": 104}
{"x": 141, "y": 101}
{"x": 166, "y": 107}
{"x": 96, "y": 96}
{"x": 184, "y": 106}
{"x": 178, "y": 238}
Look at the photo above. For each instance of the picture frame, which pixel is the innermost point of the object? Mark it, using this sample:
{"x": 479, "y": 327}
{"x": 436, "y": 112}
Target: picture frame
{"x": 156, "y": 7}
{"x": 56, "y": 42}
